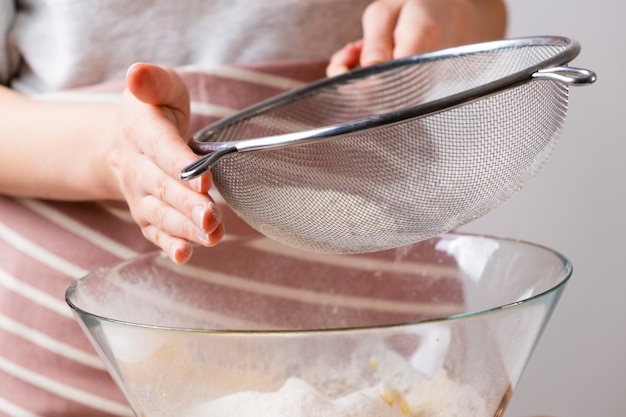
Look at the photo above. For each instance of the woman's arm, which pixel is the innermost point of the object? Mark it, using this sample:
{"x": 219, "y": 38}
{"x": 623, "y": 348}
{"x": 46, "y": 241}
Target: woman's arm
{"x": 55, "y": 150}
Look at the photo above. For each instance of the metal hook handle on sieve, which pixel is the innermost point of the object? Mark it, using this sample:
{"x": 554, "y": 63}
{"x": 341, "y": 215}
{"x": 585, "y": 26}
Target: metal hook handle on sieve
{"x": 567, "y": 75}
{"x": 204, "y": 163}
{"x": 219, "y": 150}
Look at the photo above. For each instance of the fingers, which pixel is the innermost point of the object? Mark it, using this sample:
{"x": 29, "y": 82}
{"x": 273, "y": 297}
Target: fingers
{"x": 399, "y": 28}
{"x": 171, "y": 194}
{"x": 392, "y": 29}
{"x": 177, "y": 249}
{"x": 168, "y": 211}
{"x": 395, "y": 29}
{"x": 150, "y": 154}
{"x": 172, "y": 230}
{"x": 420, "y": 29}
{"x": 345, "y": 59}
{"x": 163, "y": 87}
{"x": 379, "y": 22}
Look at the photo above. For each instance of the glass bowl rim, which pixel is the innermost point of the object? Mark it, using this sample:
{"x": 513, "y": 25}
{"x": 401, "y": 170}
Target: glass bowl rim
{"x": 565, "y": 276}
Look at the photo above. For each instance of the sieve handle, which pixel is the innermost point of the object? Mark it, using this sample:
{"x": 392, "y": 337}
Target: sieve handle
{"x": 220, "y": 150}
{"x": 204, "y": 163}
{"x": 567, "y": 75}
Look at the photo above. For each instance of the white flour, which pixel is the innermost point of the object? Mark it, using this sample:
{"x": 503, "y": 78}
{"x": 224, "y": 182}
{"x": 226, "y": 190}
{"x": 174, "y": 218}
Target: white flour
{"x": 438, "y": 397}
{"x": 225, "y": 378}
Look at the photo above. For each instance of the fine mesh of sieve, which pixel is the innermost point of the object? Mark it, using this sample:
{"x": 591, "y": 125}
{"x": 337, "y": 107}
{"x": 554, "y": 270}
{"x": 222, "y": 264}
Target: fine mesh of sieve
{"x": 393, "y": 154}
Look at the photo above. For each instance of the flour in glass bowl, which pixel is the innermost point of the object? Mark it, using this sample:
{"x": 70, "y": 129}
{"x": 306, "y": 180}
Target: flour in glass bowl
{"x": 437, "y": 397}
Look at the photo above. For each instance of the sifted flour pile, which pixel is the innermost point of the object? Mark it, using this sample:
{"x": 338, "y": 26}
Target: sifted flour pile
{"x": 438, "y": 397}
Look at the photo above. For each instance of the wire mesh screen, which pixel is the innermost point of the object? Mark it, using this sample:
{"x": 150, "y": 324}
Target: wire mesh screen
{"x": 381, "y": 92}
{"x": 402, "y": 182}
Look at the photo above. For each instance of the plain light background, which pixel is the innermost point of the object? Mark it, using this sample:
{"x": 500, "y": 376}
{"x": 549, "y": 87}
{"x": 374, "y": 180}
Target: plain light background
{"x": 577, "y": 205}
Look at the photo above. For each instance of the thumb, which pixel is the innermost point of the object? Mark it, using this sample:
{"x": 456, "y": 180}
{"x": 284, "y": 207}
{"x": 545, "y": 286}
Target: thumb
{"x": 162, "y": 87}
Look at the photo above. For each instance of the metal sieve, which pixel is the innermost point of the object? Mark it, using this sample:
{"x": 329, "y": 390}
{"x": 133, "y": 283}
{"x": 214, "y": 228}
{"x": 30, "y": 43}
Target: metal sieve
{"x": 399, "y": 152}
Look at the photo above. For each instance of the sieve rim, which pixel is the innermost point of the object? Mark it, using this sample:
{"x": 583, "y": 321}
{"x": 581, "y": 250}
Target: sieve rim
{"x": 571, "y": 50}
{"x": 212, "y": 151}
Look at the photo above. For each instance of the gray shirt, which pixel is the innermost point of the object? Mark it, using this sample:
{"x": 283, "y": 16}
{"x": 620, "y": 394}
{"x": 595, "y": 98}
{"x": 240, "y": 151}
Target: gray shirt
{"x": 50, "y": 45}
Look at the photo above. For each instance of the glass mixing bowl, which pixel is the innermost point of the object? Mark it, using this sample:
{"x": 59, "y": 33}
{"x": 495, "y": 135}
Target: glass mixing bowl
{"x": 443, "y": 327}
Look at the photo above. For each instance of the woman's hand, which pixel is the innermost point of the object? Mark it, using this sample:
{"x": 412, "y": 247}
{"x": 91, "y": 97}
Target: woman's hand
{"x": 398, "y": 28}
{"x": 147, "y": 156}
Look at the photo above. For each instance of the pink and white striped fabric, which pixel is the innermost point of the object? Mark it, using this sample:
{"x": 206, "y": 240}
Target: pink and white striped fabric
{"x": 47, "y": 366}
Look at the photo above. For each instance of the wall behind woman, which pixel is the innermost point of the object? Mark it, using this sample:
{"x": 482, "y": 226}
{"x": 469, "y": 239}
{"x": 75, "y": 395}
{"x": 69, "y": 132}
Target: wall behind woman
{"x": 577, "y": 205}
